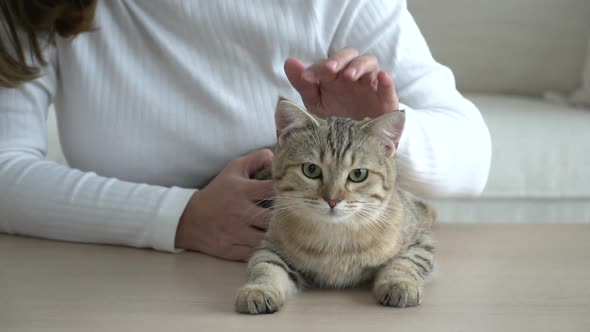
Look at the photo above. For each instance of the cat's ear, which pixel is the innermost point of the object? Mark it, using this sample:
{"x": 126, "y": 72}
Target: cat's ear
{"x": 289, "y": 116}
{"x": 388, "y": 128}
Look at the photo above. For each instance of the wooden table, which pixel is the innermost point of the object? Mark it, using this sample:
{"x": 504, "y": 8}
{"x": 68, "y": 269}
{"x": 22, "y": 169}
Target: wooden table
{"x": 490, "y": 278}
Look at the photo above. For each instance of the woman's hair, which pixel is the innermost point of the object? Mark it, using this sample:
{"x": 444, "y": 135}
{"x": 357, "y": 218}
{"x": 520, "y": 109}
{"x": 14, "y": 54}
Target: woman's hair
{"x": 25, "y": 23}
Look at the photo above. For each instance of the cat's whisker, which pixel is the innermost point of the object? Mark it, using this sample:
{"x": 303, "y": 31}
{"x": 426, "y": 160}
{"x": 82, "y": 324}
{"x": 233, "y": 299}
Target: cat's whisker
{"x": 377, "y": 219}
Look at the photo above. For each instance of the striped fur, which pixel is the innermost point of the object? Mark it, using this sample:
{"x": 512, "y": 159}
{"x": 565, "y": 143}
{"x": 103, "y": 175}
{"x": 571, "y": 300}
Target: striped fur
{"x": 376, "y": 234}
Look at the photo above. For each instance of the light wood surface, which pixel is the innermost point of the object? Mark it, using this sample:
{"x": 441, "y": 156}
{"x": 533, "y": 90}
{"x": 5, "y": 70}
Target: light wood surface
{"x": 490, "y": 278}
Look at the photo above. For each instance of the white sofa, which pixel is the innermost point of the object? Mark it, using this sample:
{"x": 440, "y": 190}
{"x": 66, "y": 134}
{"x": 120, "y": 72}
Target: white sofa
{"x": 506, "y": 54}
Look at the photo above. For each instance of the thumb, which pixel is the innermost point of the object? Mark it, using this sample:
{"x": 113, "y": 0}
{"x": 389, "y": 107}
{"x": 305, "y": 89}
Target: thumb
{"x": 255, "y": 162}
{"x": 309, "y": 92}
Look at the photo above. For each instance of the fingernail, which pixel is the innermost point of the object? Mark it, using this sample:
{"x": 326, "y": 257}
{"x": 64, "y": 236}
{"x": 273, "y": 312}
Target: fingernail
{"x": 352, "y": 73}
{"x": 332, "y": 64}
{"x": 309, "y": 76}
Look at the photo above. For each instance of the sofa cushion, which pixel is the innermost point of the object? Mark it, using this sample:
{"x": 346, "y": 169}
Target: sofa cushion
{"x": 540, "y": 149}
{"x": 507, "y": 46}
{"x": 582, "y": 95}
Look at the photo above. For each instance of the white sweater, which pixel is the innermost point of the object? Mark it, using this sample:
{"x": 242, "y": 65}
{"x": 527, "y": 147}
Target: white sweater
{"x": 155, "y": 102}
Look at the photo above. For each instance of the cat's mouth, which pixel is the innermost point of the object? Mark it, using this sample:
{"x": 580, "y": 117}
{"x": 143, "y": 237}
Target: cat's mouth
{"x": 335, "y": 215}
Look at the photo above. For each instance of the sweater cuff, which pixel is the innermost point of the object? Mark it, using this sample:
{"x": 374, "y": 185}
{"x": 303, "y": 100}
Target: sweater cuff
{"x": 168, "y": 215}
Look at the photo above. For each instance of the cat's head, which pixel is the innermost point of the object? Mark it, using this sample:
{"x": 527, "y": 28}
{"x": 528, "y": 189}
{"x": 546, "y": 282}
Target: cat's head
{"x": 334, "y": 170}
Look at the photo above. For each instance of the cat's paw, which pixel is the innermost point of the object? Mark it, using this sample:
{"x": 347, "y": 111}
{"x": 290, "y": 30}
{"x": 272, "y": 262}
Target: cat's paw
{"x": 259, "y": 299}
{"x": 399, "y": 294}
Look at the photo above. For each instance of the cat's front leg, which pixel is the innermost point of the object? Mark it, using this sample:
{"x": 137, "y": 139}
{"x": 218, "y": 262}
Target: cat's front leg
{"x": 270, "y": 282}
{"x": 400, "y": 282}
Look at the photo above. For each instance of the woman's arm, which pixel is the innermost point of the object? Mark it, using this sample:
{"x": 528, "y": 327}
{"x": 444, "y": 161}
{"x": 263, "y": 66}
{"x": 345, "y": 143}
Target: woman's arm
{"x": 445, "y": 149}
{"x": 42, "y": 198}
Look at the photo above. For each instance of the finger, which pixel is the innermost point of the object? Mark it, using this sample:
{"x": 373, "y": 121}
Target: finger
{"x": 255, "y": 162}
{"x": 312, "y": 73}
{"x": 369, "y": 80}
{"x": 326, "y": 70}
{"x": 360, "y": 66}
{"x": 260, "y": 218}
{"x": 340, "y": 59}
{"x": 258, "y": 190}
{"x": 239, "y": 252}
{"x": 251, "y": 237}
{"x": 386, "y": 90}
{"x": 309, "y": 92}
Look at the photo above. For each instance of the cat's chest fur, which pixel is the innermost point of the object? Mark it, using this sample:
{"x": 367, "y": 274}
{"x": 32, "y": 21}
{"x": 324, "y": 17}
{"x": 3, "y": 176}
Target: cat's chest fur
{"x": 345, "y": 259}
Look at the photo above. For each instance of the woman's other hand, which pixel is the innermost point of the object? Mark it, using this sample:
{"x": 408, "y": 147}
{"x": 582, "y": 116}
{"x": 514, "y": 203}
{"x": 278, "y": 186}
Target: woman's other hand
{"x": 345, "y": 85}
{"x": 224, "y": 218}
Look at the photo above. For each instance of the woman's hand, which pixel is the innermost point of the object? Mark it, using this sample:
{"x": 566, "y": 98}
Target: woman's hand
{"x": 345, "y": 85}
{"x": 223, "y": 219}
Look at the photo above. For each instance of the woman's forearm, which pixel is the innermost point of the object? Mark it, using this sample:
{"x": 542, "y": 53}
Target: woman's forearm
{"x": 44, "y": 199}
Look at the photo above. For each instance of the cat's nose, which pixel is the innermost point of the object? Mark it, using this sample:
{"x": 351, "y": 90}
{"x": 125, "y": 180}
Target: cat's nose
{"x": 332, "y": 202}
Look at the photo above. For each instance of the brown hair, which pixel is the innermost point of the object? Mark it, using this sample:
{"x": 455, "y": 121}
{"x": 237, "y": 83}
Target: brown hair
{"x": 26, "y": 22}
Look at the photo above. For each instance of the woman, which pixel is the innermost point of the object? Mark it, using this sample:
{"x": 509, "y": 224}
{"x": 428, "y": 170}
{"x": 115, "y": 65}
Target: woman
{"x": 155, "y": 98}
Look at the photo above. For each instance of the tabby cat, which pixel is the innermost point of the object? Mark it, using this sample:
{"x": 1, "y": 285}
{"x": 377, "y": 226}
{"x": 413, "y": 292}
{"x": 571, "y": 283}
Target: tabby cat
{"x": 339, "y": 219}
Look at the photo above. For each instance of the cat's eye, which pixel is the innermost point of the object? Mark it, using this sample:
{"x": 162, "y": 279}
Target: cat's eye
{"x": 358, "y": 175}
{"x": 312, "y": 171}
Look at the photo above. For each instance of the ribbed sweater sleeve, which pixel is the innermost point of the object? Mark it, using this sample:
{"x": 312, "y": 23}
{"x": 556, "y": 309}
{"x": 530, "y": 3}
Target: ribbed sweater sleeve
{"x": 44, "y": 199}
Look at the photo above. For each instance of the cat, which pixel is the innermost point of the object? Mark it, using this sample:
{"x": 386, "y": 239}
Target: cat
{"x": 339, "y": 218}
